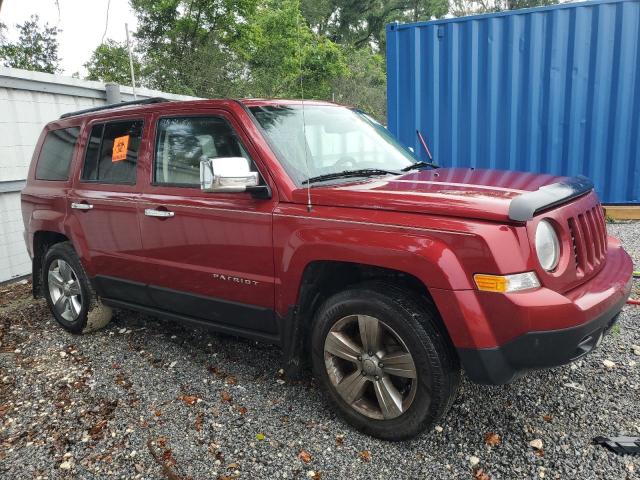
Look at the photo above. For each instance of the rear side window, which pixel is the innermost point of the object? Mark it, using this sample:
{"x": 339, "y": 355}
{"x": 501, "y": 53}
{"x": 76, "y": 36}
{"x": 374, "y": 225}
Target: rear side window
{"x": 112, "y": 152}
{"x": 56, "y": 154}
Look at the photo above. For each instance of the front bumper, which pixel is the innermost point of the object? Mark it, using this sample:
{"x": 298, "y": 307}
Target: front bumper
{"x": 500, "y": 336}
{"x": 534, "y": 350}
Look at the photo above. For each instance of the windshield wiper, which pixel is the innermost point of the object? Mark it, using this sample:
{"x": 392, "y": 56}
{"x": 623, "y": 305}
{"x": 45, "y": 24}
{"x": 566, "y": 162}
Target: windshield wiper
{"x": 420, "y": 164}
{"x": 363, "y": 172}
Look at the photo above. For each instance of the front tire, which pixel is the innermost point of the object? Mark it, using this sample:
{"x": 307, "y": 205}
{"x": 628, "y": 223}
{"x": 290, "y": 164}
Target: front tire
{"x": 69, "y": 294}
{"x": 384, "y": 360}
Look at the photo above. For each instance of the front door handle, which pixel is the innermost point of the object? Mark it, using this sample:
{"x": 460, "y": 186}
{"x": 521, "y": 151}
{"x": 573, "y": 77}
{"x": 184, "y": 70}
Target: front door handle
{"x": 151, "y": 212}
{"x": 81, "y": 206}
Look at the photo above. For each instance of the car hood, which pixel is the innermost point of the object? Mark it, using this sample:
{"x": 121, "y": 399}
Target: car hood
{"x": 460, "y": 192}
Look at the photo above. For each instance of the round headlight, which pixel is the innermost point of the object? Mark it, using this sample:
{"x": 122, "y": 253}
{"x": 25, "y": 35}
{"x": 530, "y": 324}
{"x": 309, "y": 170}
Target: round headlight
{"x": 547, "y": 246}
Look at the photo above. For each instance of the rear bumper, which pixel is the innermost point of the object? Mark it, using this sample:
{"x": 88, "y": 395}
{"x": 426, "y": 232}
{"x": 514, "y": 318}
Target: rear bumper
{"x": 500, "y": 336}
{"x": 534, "y": 350}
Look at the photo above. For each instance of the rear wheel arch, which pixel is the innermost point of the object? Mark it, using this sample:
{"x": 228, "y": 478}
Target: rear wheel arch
{"x": 69, "y": 293}
{"x": 43, "y": 240}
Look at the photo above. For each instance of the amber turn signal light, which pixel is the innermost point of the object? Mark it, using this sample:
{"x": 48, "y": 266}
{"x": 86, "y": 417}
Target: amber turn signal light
{"x": 506, "y": 283}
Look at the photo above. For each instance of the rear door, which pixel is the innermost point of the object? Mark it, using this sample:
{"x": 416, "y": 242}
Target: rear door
{"x": 209, "y": 255}
{"x": 103, "y": 206}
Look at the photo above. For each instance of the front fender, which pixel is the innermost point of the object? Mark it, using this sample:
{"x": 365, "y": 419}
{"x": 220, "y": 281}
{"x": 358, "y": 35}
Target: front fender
{"x": 425, "y": 253}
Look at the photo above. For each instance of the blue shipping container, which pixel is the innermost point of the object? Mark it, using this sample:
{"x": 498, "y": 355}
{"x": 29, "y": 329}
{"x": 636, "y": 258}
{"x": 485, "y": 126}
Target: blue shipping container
{"x": 554, "y": 90}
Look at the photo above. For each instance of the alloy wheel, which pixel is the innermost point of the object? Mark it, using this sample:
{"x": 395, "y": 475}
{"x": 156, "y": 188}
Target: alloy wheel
{"x": 370, "y": 367}
{"x": 64, "y": 289}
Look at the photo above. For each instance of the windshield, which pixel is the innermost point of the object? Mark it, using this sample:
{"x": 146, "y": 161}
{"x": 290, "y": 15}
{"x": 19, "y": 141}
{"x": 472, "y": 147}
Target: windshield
{"x": 336, "y": 139}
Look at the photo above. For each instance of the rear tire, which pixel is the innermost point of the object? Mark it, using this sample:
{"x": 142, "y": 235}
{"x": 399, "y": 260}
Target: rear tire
{"x": 384, "y": 359}
{"x": 69, "y": 294}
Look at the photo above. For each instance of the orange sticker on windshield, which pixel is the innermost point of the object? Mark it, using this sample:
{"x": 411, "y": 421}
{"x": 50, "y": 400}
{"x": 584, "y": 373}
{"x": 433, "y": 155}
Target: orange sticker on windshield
{"x": 120, "y": 146}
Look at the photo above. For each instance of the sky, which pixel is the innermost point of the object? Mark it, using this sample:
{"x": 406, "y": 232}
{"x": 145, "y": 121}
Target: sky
{"x": 82, "y": 23}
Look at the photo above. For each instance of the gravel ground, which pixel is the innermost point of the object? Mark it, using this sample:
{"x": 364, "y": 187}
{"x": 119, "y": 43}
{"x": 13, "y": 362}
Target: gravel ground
{"x": 145, "y": 398}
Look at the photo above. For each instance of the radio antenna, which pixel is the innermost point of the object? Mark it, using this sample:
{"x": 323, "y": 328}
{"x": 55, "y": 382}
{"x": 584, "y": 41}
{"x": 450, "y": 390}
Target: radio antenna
{"x": 304, "y": 121}
{"x": 133, "y": 75}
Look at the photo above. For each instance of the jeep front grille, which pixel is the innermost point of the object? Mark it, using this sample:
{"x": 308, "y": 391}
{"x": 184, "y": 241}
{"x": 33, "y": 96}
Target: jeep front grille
{"x": 589, "y": 236}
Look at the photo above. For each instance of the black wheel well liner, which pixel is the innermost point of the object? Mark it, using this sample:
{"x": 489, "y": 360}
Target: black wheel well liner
{"x": 320, "y": 280}
{"x": 42, "y": 241}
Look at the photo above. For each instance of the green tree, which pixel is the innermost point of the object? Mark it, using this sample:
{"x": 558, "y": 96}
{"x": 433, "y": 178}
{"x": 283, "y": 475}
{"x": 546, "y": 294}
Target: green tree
{"x": 173, "y": 34}
{"x": 365, "y": 84}
{"x": 110, "y": 63}
{"x": 214, "y": 48}
{"x": 281, "y": 51}
{"x": 362, "y": 23}
{"x": 36, "y": 48}
{"x": 472, "y": 7}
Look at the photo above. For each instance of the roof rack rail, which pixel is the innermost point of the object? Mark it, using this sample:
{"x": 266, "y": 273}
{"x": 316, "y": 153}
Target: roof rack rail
{"x": 146, "y": 101}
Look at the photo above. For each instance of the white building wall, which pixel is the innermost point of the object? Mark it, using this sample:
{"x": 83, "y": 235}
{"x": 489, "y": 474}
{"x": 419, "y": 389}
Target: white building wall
{"x": 28, "y": 101}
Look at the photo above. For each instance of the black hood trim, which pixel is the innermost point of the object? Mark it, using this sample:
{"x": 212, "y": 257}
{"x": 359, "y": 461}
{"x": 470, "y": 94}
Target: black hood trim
{"x": 525, "y": 206}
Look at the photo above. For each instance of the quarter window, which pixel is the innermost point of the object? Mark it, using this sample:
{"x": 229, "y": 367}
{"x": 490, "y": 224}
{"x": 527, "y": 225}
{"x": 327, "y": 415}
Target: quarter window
{"x": 112, "y": 152}
{"x": 182, "y": 143}
{"x": 56, "y": 154}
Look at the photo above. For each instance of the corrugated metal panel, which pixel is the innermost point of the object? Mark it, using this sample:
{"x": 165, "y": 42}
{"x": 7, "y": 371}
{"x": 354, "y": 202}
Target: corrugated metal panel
{"x": 28, "y": 101}
{"x": 554, "y": 90}
{"x": 14, "y": 260}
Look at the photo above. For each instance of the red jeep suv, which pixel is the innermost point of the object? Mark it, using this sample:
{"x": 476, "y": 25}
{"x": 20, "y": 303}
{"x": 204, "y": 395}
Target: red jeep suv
{"x": 307, "y": 225}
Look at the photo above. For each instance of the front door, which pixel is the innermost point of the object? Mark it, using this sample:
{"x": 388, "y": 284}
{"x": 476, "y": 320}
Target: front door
{"x": 209, "y": 255}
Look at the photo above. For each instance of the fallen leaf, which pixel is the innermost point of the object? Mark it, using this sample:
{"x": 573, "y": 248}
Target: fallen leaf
{"x": 339, "y": 439}
{"x": 217, "y": 372}
{"x": 547, "y": 418}
{"x": 162, "y": 442}
{"x": 480, "y": 474}
{"x": 260, "y": 436}
{"x": 199, "y": 421}
{"x": 167, "y": 457}
{"x": 231, "y": 380}
{"x": 365, "y": 455}
{"x": 123, "y": 381}
{"x": 242, "y": 410}
{"x": 188, "y": 399}
{"x": 492, "y": 439}
{"x": 313, "y": 475}
{"x": 96, "y": 431}
{"x": 305, "y": 456}
{"x": 226, "y": 397}
{"x": 233, "y": 466}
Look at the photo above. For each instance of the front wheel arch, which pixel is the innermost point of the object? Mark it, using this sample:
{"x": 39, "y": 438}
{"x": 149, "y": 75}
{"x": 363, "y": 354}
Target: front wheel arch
{"x": 414, "y": 319}
{"x": 322, "y": 279}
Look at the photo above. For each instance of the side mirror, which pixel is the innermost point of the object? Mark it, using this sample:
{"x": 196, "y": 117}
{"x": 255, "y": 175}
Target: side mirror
{"x": 226, "y": 174}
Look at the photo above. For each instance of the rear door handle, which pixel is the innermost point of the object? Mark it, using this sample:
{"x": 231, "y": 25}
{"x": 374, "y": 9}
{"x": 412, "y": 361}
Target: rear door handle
{"x": 151, "y": 212}
{"x": 81, "y": 206}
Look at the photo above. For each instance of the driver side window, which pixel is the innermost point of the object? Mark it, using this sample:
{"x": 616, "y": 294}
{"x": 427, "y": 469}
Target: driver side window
{"x": 182, "y": 143}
